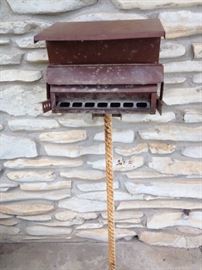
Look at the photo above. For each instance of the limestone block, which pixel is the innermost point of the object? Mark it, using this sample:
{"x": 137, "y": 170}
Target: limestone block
{"x": 173, "y": 133}
{"x": 42, "y": 162}
{"x": 181, "y": 23}
{"x": 29, "y": 208}
{"x": 184, "y": 188}
{"x": 37, "y": 56}
{"x": 119, "y": 164}
{"x": 171, "y": 50}
{"x": 27, "y": 124}
{"x": 47, "y": 6}
{"x": 82, "y": 205}
{"x": 102, "y": 235}
{"x": 124, "y": 136}
{"x": 13, "y": 147}
{"x": 193, "y": 115}
{"x": 193, "y": 151}
{"x": 136, "y": 118}
{"x": 31, "y": 176}
{"x": 171, "y": 239}
{"x": 20, "y": 100}
{"x": 28, "y": 43}
{"x": 144, "y": 4}
{"x": 160, "y": 204}
{"x": 47, "y": 231}
{"x": 197, "y": 49}
{"x": 15, "y": 75}
{"x": 69, "y": 136}
{"x": 168, "y": 165}
{"x": 83, "y": 174}
{"x": 10, "y": 58}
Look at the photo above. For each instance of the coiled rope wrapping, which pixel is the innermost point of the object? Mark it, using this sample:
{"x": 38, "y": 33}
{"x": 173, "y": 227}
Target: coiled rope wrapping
{"x": 110, "y": 190}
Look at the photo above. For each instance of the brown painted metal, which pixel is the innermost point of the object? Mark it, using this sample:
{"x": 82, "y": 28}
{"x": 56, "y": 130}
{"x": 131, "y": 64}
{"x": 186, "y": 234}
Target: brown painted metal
{"x": 102, "y": 30}
{"x": 111, "y": 62}
{"x": 105, "y": 74}
{"x": 104, "y": 51}
{"x": 103, "y": 42}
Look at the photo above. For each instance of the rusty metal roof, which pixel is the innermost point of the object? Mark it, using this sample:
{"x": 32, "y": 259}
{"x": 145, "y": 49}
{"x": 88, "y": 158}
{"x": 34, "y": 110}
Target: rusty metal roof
{"x": 102, "y": 30}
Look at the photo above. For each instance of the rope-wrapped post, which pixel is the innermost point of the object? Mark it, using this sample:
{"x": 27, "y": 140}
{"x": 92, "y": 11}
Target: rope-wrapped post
{"x": 110, "y": 190}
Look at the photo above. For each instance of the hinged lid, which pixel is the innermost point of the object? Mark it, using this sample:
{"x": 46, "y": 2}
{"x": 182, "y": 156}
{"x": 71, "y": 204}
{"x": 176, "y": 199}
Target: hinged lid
{"x": 102, "y": 30}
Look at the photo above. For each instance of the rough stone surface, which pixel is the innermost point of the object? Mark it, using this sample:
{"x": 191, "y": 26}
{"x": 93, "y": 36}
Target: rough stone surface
{"x": 9, "y": 222}
{"x": 32, "y": 124}
{"x": 45, "y": 186}
{"x": 35, "y": 218}
{"x": 4, "y": 216}
{"x": 145, "y": 173}
{"x": 160, "y": 204}
{"x": 29, "y": 100}
{"x": 4, "y": 41}
{"x": 171, "y": 49}
{"x": 74, "y": 151}
{"x": 31, "y": 176}
{"x": 70, "y": 215}
{"x": 135, "y": 118}
{"x": 170, "y": 239}
{"x": 197, "y": 49}
{"x": 29, "y": 208}
{"x": 173, "y": 79}
{"x": 83, "y": 174}
{"x": 79, "y": 120}
{"x": 49, "y": 195}
{"x": 41, "y": 162}
{"x": 125, "y": 215}
{"x": 28, "y": 43}
{"x": 38, "y": 56}
{"x": 13, "y": 58}
{"x": 82, "y": 205}
{"x": 128, "y": 151}
{"x": 102, "y": 235}
{"x": 101, "y": 196}
{"x": 46, "y": 6}
{"x": 14, "y": 75}
{"x": 119, "y": 164}
{"x": 193, "y": 151}
{"x": 197, "y": 78}
{"x": 183, "y": 66}
{"x": 45, "y": 230}
{"x": 16, "y": 27}
{"x": 193, "y": 115}
{"x": 69, "y": 136}
{"x": 125, "y": 136}
{"x": 95, "y": 186}
{"x": 183, "y": 95}
{"x": 8, "y": 230}
{"x": 168, "y": 165}
{"x": 181, "y": 23}
{"x": 108, "y": 16}
{"x": 184, "y": 188}
{"x": 13, "y": 147}
{"x": 161, "y": 148}
{"x": 173, "y": 133}
{"x": 170, "y": 219}
{"x": 130, "y": 4}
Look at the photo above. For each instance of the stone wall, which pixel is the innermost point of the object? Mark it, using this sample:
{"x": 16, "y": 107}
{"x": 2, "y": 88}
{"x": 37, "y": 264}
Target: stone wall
{"x": 52, "y": 174}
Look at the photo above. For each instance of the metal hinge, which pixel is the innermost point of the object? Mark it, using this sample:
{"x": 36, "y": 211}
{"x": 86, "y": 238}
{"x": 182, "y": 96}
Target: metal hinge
{"x": 46, "y": 105}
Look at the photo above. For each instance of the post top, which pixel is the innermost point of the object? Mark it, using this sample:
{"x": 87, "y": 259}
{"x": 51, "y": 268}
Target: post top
{"x": 102, "y": 30}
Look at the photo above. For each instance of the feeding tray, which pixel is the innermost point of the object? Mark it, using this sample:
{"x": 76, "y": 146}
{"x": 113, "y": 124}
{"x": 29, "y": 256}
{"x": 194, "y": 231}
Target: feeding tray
{"x": 105, "y": 66}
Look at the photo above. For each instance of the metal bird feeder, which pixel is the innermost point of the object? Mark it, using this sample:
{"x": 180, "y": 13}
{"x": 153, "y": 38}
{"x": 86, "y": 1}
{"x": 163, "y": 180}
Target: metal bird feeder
{"x": 105, "y": 68}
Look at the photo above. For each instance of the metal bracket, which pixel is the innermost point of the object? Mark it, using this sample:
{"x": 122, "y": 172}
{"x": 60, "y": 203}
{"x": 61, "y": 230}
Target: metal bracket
{"x": 46, "y": 105}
